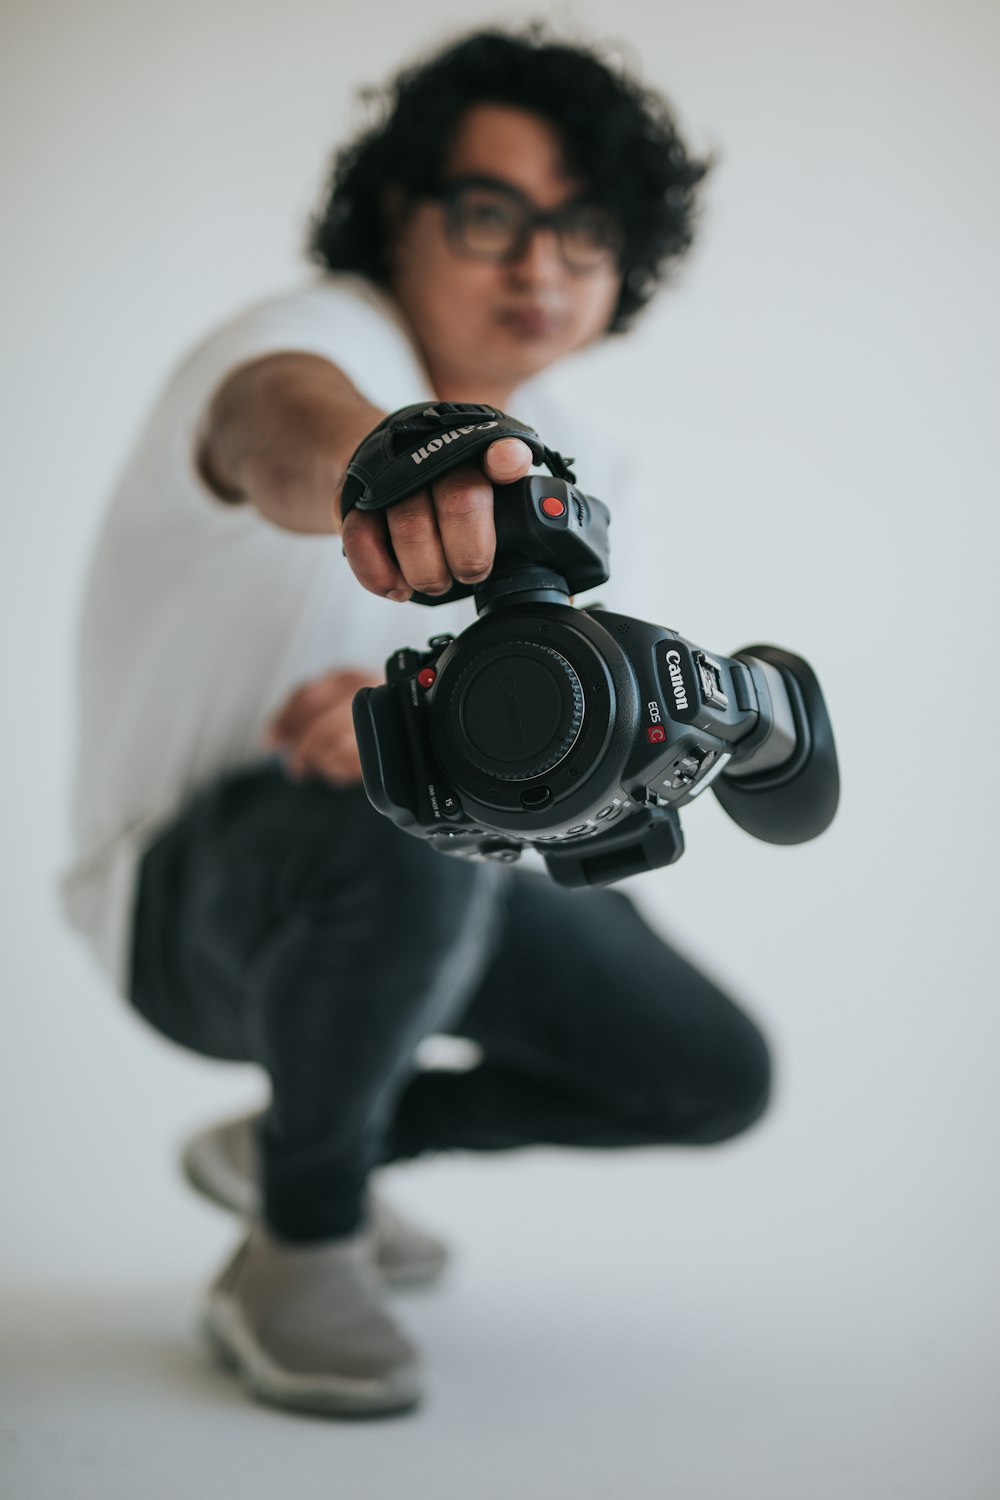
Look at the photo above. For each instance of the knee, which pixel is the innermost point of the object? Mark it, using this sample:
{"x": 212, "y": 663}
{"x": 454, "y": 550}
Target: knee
{"x": 745, "y": 1083}
{"x": 720, "y": 1088}
{"x": 738, "y": 1087}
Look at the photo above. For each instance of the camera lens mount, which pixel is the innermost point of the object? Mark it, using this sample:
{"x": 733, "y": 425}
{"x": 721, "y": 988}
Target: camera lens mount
{"x": 516, "y": 710}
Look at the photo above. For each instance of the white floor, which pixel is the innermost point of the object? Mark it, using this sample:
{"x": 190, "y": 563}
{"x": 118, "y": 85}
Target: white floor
{"x": 671, "y": 1325}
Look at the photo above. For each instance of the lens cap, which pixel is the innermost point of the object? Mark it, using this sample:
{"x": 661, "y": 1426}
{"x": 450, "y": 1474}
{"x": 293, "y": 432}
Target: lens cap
{"x": 518, "y": 709}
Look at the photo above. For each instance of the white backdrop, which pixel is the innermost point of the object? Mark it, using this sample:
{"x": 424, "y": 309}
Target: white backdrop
{"x": 815, "y": 404}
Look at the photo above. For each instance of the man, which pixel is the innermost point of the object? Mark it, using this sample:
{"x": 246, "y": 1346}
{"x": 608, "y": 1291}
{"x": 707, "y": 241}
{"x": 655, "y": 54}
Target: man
{"x": 519, "y": 203}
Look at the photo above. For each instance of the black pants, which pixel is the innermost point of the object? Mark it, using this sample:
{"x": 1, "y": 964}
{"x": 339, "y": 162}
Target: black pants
{"x": 290, "y": 925}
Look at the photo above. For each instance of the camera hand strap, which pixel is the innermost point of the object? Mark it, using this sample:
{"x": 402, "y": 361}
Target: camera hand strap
{"x": 415, "y": 445}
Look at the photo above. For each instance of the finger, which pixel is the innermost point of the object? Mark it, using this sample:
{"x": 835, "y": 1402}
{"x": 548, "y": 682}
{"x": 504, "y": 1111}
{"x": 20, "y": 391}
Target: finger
{"x": 329, "y": 749}
{"x": 367, "y": 552}
{"x": 342, "y": 763}
{"x": 507, "y": 459}
{"x": 306, "y": 704}
{"x": 300, "y": 707}
{"x": 416, "y": 542}
{"x": 315, "y": 698}
{"x": 463, "y": 504}
{"x": 287, "y": 727}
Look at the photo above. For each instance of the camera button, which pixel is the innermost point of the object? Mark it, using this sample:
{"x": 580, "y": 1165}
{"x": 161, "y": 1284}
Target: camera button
{"x": 535, "y": 797}
{"x": 449, "y": 804}
{"x": 427, "y": 677}
{"x": 400, "y": 665}
{"x": 687, "y": 768}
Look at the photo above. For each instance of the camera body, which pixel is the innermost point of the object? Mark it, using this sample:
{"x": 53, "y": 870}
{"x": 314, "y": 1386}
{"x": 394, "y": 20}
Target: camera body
{"x": 583, "y": 732}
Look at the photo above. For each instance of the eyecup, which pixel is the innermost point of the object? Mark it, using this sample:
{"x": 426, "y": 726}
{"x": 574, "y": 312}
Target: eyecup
{"x": 795, "y": 801}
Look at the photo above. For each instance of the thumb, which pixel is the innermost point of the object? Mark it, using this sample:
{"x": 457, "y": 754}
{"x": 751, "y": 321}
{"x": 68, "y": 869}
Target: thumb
{"x": 507, "y": 459}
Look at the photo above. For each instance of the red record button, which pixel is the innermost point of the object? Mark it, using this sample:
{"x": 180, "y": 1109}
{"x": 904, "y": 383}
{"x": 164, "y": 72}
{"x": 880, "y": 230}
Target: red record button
{"x": 553, "y": 506}
{"x": 427, "y": 677}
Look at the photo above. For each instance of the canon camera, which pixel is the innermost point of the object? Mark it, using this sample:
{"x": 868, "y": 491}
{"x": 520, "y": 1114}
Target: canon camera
{"x": 579, "y": 731}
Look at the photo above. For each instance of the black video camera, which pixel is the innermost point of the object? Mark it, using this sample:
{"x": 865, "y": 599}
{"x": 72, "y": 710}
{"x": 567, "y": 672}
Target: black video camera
{"x": 579, "y": 731}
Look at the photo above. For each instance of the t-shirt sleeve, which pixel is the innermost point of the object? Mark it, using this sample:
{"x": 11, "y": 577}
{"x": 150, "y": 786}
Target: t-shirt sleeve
{"x": 343, "y": 320}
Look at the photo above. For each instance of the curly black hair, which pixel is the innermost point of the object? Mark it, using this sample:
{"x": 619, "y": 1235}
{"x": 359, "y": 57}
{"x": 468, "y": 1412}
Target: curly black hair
{"x": 617, "y": 136}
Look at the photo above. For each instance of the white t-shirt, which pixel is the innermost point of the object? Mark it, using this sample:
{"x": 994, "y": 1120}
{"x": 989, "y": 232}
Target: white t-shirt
{"x": 200, "y": 617}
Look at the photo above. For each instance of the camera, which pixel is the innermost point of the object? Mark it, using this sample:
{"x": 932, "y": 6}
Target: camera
{"x": 582, "y": 732}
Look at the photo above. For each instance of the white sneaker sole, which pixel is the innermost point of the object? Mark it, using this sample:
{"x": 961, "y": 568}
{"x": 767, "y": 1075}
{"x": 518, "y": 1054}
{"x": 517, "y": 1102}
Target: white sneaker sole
{"x": 331, "y": 1395}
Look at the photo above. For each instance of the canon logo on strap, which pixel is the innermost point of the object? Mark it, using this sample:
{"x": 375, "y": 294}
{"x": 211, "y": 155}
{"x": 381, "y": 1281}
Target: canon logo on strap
{"x": 449, "y": 437}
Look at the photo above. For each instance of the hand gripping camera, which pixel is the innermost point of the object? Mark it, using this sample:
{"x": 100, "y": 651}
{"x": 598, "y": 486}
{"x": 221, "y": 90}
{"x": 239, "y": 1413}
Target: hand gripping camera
{"x": 577, "y": 731}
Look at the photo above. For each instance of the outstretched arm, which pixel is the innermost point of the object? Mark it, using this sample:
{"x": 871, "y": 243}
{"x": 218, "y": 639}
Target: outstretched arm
{"x": 279, "y": 434}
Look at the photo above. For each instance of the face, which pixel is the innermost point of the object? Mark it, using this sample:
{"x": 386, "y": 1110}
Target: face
{"x": 484, "y": 326}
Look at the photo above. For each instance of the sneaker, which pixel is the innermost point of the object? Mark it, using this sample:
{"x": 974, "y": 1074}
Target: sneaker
{"x": 304, "y": 1327}
{"x": 221, "y": 1163}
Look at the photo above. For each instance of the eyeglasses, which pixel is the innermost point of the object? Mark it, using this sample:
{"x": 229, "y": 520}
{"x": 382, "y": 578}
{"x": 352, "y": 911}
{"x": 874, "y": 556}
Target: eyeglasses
{"x": 487, "y": 220}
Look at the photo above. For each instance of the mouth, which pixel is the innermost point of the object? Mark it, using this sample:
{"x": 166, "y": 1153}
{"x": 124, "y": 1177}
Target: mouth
{"x": 530, "y": 321}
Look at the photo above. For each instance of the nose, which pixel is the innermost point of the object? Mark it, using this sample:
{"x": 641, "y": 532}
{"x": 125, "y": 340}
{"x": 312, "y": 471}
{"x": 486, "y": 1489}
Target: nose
{"x": 539, "y": 260}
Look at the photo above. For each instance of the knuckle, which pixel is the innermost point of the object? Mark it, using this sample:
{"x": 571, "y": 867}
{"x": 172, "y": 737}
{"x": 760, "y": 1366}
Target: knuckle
{"x": 368, "y": 576}
{"x": 463, "y": 495}
{"x": 356, "y": 525}
{"x": 376, "y": 580}
{"x": 371, "y": 567}
{"x": 477, "y": 565}
{"x": 466, "y": 505}
{"x": 430, "y": 583}
{"x": 411, "y": 526}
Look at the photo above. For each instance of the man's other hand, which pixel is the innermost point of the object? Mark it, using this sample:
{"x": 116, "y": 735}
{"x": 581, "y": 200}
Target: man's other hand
{"x": 438, "y": 535}
{"x": 314, "y": 729}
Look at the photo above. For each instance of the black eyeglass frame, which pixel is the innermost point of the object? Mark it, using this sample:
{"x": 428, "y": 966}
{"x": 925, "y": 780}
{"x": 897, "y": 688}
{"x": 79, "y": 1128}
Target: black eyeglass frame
{"x": 449, "y": 193}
